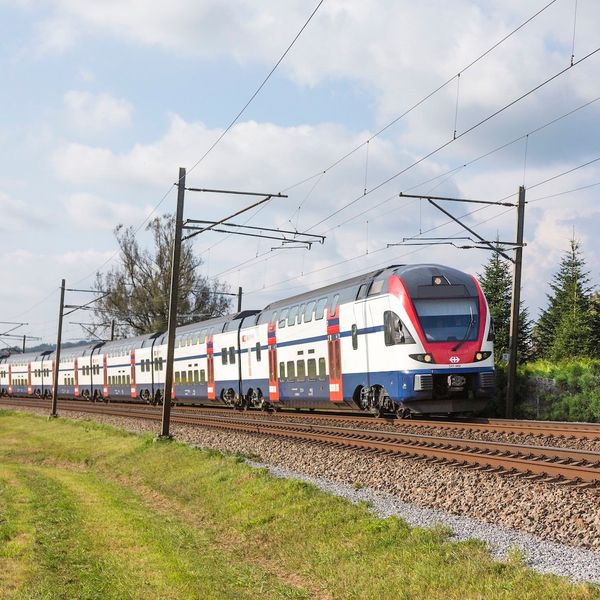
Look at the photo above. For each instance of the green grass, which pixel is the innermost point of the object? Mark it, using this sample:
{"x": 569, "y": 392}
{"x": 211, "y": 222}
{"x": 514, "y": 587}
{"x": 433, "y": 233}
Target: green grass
{"x": 87, "y": 511}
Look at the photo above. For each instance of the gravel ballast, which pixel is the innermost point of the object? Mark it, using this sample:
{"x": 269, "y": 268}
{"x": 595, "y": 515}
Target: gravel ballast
{"x": 556, "y": 527}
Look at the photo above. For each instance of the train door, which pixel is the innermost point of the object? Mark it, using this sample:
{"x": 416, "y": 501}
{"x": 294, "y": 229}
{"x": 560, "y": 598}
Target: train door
{"x": 273, "y": 378}
{"x": 359, "y": 357}
{"x": 10, "y": 386}
{"x": 336, "y": 391}
{"x": 210, "y": 367}
{"x": 133, "y": 389}
{"x": 43, "y": 373}
{"x": 105, "y": 375}
{"x": 29, "y": 388}
{"x": 76, "y": 378}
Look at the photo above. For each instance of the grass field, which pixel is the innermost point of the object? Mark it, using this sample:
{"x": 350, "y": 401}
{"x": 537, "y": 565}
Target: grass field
{"x": 87, "y": 511}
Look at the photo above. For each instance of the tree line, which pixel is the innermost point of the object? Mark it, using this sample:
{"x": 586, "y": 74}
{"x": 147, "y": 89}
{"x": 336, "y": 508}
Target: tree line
{"x": 569, "y": 325}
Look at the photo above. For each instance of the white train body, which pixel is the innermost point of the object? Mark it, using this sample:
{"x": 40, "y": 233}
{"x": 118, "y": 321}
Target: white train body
{"x": 407, "y": 338}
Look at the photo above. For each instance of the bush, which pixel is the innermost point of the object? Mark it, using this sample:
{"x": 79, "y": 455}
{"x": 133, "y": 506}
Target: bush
{"x": 564, "y": 391}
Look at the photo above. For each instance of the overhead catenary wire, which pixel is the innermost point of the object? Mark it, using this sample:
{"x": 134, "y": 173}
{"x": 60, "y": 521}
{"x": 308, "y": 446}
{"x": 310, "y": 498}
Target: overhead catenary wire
{"x": 459, "y": 136}
{"x": 436, "y": 227}
{"x": 220, "y": 137}
{"x": 449, "y": 172}
{"x": 422, "y": 100}
{"x": 351, "y": 152}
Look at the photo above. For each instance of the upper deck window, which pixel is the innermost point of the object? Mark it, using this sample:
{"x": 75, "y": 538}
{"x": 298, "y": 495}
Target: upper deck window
{"x": 448, "y": 319}
{"x": 376, "y": 287}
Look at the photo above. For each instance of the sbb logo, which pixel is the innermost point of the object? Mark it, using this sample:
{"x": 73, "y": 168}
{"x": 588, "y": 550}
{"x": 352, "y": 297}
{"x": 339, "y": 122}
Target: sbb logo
{"x": 454, "y": 359}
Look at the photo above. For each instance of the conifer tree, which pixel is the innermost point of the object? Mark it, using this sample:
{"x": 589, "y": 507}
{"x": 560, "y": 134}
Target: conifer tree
{"x": 563, "y": 329}
{"x": 496, "y": 283}
{"x": 594, "y": 320}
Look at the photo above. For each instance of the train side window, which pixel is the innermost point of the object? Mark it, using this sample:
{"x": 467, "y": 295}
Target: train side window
{"x": 292, "y": 315}
{"x": 308, "y": 312}
{"x": 300, "y": 370}
{"x": 283, "y": 317}
{"x": 224, "y": 356}
{"x": 322, "y": 369}
{"x": 258, "y": 352}
{"x": 274, "y": 317}
{"x": 320, "y": 310}
{"x": 312, "y": 368}
{"x": 376, "y": 287}
{"x": 190, "y": 377}
{"x": 177, "y": 377}
{"x": 282, "y": 371}
{"x": 362, "y": 291}
{"x": 354, "y": 337}
{"x": 291, "y": 370}
{"x": 394, "y": 330}
{"x": 202, "y": 376}
{"x": 196, "y": 376}
{"x": 231, "y": 355}
{"x": 128, "y": 379}
{"x": 301, "y": 313}
{"x": 334, "y": 303}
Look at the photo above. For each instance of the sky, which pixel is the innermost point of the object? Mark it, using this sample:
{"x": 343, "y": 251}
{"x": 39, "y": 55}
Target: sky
{"x": 103, "y": 102}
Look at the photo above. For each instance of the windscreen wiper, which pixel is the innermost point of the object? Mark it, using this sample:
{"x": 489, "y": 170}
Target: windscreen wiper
{"x": 471, "y": 323}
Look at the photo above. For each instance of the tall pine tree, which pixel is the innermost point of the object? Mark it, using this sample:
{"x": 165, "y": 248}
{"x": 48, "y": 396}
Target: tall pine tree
{"x": 563, "y": 329}
{"x": 496, "y": 283}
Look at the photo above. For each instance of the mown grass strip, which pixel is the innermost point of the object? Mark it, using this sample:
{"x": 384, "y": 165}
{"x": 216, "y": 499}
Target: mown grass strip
{"x": 15, "y": 535}
{"x": 222, "y": 509}
{"x": 157, "y": 554}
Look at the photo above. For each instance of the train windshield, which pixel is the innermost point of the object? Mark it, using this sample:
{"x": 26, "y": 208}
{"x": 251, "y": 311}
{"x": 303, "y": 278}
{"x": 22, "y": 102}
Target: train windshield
{"x": 448, "y": 319}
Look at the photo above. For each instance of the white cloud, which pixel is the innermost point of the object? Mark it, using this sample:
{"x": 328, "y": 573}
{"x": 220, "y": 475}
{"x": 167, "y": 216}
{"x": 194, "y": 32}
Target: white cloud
{"x": 87, "y": 212}
{"x": 96, "y": 113}
{"x": 398, "y": 50}
{"x": 56, "y": 36}
{"x": 15, "y": 216}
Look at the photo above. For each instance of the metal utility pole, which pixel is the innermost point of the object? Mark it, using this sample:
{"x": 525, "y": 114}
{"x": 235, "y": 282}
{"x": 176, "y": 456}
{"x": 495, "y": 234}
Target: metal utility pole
{"x": 239, "y": 297}
{"x": 24, "y": 341}
{"x": 172, "y": 325}
{"x": 53, "y": 413}
{"x": 513, "y": 342}
{"x": 112, "y": 330}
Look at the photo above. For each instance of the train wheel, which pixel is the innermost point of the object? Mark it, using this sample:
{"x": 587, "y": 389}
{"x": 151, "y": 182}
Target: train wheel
{"x": 403, "y": 412}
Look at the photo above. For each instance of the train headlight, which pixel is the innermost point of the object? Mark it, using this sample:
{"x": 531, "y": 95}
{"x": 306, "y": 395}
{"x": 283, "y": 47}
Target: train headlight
{"x": 426, "y": 358}
{"x": 479, "y": 356}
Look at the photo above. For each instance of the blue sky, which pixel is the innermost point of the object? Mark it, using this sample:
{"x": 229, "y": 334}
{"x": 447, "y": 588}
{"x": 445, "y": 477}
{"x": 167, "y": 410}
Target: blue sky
{"x": 103, "y": 102}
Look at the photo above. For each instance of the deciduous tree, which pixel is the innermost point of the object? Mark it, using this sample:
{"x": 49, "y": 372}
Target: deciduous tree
{"x": 138, "y": 287}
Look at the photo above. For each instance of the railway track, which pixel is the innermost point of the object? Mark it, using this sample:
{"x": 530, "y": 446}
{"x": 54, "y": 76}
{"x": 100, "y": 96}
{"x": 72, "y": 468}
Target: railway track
{"x": 555, "y": 429}
{"x": 555, "y": 465}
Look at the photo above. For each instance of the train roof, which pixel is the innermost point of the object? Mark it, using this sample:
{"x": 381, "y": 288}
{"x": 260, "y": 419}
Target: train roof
{"x": 415, "y": 276}
{"x": 347, "y": 285}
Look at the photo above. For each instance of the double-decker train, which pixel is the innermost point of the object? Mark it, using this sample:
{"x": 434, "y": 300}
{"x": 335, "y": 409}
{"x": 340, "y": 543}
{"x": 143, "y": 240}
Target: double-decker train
{"x": 404, "y": 339}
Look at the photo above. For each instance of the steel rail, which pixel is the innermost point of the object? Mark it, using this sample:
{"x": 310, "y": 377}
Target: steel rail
{"x": 559, "y": 429}
{"x": 558, "y": 464}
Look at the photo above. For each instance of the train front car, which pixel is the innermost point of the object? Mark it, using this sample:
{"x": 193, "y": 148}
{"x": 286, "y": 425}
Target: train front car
{"x": 440, "y": 328}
